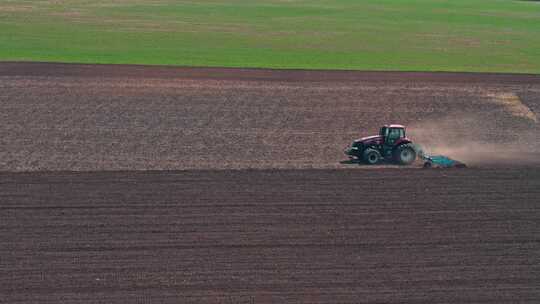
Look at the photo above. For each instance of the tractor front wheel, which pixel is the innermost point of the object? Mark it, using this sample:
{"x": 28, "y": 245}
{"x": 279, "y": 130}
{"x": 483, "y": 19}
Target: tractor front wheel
{"x": 371, "y": 156}
{"x": 404, "y": 154}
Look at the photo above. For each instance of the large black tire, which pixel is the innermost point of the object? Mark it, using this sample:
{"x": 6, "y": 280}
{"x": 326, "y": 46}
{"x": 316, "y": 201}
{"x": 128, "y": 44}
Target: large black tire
{"x": 404, "y": 154}
{"x": 371, "y": 156}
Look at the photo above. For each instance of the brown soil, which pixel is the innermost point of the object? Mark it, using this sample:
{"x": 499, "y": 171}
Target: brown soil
{"x": 294, "y": 235}
{"x": 271, "y": 236}
{"x": 97, "y": 117}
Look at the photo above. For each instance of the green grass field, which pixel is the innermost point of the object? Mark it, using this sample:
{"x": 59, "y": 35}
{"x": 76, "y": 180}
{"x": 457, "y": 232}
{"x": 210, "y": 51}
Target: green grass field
{"x": 426, "y": 35}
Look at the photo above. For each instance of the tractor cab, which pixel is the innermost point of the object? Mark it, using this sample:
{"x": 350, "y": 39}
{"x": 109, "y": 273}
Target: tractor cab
{"x": 391, "y": 134}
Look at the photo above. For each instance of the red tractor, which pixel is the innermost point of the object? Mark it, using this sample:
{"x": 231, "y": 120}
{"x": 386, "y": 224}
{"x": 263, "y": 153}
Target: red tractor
{"x": 391, "y": 144}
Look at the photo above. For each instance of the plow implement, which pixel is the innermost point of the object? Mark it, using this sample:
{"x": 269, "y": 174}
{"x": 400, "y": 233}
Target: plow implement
{"x": 441, "y": 161}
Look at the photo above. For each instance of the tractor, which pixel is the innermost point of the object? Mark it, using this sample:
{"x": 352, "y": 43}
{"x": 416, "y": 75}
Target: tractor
{"x": 391, "y": 145}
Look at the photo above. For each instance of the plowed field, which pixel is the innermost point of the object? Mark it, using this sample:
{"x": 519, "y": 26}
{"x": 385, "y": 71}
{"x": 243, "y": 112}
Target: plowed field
{"x": 249, "y": 201}
{"x": 84, "y": 117}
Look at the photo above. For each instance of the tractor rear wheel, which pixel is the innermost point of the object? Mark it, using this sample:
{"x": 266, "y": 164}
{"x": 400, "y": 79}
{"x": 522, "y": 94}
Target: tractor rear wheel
{"x": 371, "y": 156}
{"x": 404, "y": 154}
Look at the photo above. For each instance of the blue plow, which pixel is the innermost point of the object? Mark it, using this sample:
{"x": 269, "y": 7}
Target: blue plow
{"x": 441, "y": 161}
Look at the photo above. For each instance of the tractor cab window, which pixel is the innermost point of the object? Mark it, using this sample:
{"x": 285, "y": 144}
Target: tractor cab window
{"x": 397, "y": 133}
{"x": 384, "y": 131}
{"x": 394, "y": 134}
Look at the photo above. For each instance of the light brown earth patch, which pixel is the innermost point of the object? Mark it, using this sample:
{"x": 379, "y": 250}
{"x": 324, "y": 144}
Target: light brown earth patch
{"x": 91, "y": 117}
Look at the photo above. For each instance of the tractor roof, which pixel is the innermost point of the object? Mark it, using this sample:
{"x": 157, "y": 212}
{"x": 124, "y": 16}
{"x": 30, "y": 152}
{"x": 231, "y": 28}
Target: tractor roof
{"x": 394, "y": 126}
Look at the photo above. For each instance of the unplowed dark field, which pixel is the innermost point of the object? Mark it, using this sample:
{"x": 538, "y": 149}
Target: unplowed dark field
{"x": 280, "y": 224}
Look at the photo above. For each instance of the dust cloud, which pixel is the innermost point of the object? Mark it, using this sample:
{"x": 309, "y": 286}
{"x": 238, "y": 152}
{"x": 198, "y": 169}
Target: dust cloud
{"x": 504, "y": 135}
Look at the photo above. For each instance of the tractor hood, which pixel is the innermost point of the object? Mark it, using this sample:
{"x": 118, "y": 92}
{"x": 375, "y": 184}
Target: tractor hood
{"x": 375, "y": 139}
